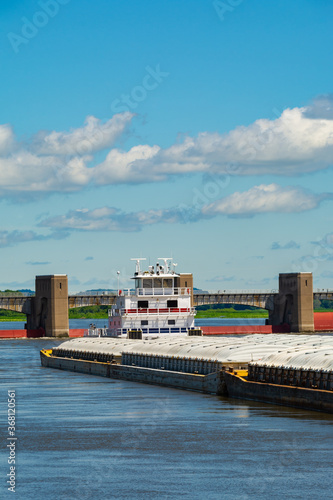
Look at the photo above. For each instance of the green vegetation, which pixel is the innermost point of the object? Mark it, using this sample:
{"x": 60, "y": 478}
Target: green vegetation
{"x": 323, "y": 305}
{"x": 5, "y": 293}
{"x": 12, "y": 316}
{"x": 89, "y": 312}
{"x": 242, "y": 311}
{"x": 230, "y": 311}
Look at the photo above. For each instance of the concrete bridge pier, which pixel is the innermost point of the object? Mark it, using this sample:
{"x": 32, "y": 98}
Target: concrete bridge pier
{"x": 294, "y": 302}
{"x": 49, "y": 307}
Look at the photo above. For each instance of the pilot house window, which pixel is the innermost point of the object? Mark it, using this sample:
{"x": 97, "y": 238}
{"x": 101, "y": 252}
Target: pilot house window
{"x": 172, "y": 303}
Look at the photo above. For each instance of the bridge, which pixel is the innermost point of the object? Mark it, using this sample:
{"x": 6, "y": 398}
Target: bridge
{"x": 263, "y": 299}
{"x": 22, "y": 304}
{"x": 292, "y": 303}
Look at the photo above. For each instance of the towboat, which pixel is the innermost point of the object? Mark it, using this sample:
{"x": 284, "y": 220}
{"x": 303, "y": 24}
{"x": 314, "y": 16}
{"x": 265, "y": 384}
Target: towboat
{"x": 161, "y": 303}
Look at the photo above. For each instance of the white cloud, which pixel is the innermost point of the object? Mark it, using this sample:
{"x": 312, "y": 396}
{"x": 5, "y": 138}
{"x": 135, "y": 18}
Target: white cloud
{"x": 6, "y": 139}
{"x": 24, "y": 172}
{"x": 124, "y": 167}
{"x": 292, "y": 144}
{"x": 94, "y": 136}
{"x": 259, "y": 199}
{"x": 109, "y": 219}
{"x": 263, "y": 199}
{"x": 300, "y": 140}
{"x": 57, "y": 161}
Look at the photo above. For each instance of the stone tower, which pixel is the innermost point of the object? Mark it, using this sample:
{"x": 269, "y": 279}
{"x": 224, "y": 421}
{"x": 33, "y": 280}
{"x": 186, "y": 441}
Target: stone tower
{"x": 294, "y": 304}
{"x": 50, "y": 305}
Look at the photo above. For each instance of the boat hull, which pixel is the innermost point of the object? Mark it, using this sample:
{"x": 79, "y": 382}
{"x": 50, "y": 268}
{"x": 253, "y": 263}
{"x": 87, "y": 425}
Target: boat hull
{"x": 208, "y": 384}
{"x": 297, "y": 397}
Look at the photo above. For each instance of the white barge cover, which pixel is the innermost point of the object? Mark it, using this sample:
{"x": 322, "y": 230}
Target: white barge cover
{"x": 315, "y": 351}
{"x": 307, "y": 359}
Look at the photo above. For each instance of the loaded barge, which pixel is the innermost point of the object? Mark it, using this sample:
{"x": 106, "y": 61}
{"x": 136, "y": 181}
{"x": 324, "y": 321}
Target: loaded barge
{"x": 291, "y": 370}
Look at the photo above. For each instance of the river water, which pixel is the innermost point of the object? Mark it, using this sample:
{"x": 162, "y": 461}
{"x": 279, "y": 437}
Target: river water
{"x": 86, "y": 437}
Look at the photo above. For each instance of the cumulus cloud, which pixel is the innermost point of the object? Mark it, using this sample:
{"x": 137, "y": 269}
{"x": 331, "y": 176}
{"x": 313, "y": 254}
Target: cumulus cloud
{"x": 56, "y": 161}
{"x": 298, "y": 141}
{"x": 25, "y": 172}
{"x": 94, "y": 136}
{"x": 257, "y": 200}
{"x": 110, "y": 219}
{"x": 288, "y": 246}
{"x": 263, "y": 199}
{"x": 125, "y": 167}
{"x": 6, "y": 139}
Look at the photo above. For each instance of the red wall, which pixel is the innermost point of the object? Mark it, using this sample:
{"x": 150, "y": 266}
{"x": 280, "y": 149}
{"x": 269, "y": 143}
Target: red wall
{"x": 76, "y": 332}
{"x": 33, "y": 334}
{"x": 244, "y": 329}
{"x": 21, "y": 334}
{"x": 323, "y": 321}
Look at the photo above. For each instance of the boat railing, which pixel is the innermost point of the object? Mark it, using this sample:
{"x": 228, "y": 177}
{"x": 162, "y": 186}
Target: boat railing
{"x": 162, "y": 311}
{"x": 118, "y": 332}
{"x": 95, "y": 332}
{"x": 186, "y": 291}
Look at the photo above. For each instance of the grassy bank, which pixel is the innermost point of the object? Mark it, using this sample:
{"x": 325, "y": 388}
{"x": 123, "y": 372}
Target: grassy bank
{"x": 11, "y": 316}
{"x": 90, "y": 312}
{"x": 230, "y": 312}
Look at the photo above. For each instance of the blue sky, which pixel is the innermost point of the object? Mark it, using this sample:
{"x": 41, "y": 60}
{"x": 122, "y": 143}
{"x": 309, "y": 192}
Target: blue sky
{"x": 201, "y": 130}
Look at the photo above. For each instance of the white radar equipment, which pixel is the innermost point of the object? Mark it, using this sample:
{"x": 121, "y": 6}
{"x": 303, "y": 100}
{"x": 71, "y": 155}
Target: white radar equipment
{"x": 167, "y": 268}
{"x": 137, "y": 267}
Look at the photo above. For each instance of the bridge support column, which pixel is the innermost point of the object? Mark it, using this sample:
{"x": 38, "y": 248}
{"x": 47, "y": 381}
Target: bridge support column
{"x": 50, "y": 306}
{"x": 185, "y": 281}
{"x": 294, "y": 303}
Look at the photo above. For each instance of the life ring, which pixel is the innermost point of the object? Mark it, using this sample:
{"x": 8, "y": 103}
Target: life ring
{"x": 188, "y": 290}
{"x": 119, "y": 292}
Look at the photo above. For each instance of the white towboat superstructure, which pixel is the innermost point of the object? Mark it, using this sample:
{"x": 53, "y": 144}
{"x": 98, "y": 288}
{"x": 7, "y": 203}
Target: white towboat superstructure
{"x": 159, "y": 304}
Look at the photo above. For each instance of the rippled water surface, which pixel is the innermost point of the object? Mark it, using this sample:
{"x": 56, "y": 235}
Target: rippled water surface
{"x": 82, "y": 437}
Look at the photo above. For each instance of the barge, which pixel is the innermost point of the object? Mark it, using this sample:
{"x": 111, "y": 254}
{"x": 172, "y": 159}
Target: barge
{"x": 301, "y": 378}
{"x": 254, "y": 367}
{"x": 239, "y": 386}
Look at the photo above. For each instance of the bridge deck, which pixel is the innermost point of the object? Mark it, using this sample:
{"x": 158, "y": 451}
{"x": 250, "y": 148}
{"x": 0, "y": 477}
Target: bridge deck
{"x": 262, "y": 299}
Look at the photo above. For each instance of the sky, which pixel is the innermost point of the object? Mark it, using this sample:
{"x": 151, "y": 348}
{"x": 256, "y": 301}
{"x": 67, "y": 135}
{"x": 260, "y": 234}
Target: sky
{"x": 194, "y": 129}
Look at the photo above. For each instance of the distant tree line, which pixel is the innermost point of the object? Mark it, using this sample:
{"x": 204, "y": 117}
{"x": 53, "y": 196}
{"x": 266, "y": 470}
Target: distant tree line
{"x": 322, "y": 304}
